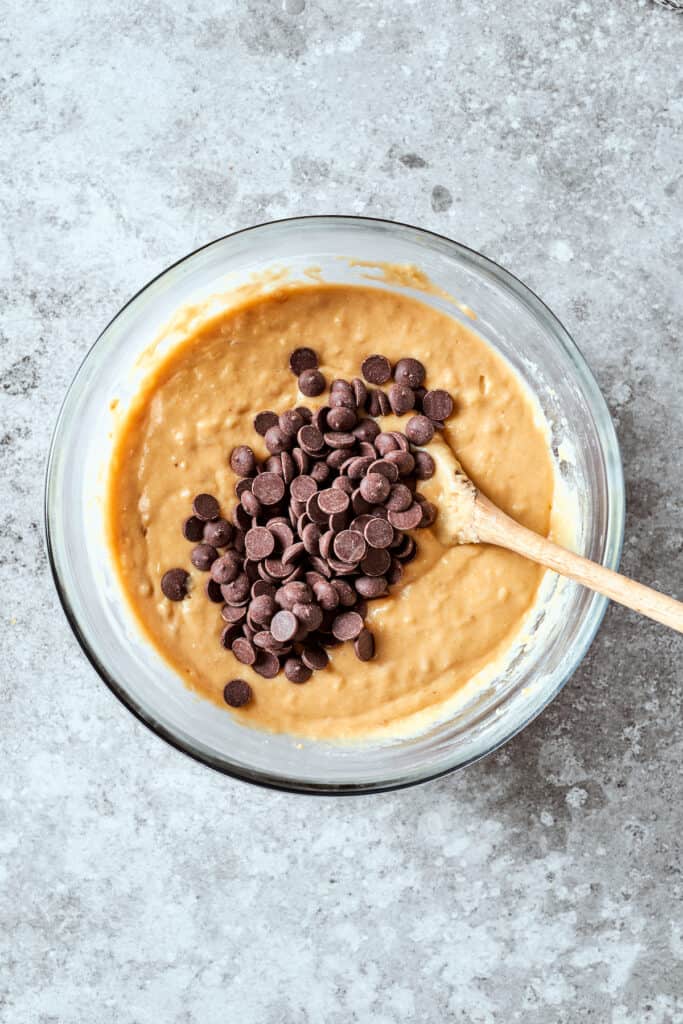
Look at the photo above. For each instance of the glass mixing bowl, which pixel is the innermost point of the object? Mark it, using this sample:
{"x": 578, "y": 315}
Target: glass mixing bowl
{"x": 509, "y": 317}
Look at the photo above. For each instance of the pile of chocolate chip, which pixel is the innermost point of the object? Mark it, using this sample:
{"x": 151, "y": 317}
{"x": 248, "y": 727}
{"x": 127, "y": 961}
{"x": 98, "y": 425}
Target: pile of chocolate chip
{"x": 320, "y": 528}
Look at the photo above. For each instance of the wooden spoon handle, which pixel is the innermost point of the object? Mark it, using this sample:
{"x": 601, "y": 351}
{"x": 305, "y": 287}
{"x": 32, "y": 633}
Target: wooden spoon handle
{"x": 495, "y": 527}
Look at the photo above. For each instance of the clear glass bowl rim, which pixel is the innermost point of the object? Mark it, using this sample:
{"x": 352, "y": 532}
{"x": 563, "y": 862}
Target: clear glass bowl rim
{"x": 615, "y": 506}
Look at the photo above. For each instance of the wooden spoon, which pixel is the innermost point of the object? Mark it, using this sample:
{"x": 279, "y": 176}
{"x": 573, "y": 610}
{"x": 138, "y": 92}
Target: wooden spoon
{"x": 466, "y": 516}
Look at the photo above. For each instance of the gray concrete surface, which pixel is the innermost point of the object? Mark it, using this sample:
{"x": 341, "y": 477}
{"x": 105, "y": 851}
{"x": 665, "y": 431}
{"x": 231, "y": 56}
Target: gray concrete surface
{"x": 543, "y": 885}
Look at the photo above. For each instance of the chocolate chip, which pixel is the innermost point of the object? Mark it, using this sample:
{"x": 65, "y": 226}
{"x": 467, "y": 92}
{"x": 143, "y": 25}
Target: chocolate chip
{"x": 375, "y": 488}
{"x": 370, "y": 586}
{"x": 336, "y": 459}
{"x": 303, "y": 487}
{"x": 296, "y": 574}
{"x": 320, "y": 472}
{"x": 310, "y": 439}
{"x": 237, "y": 693}
{"x": 284, "y": 626}
{"x": 342, "y": 483}
{"x": 367, "y": 430}
{"x": 372, "y": 403}
{"x": 193, "y": 529}
{"x": 333, "y": 500}
{"x": 293, "y": 553}
{"x": 206, "y": 507}
{"x": 347, "y": 626}
{"x": 241, "y": 519}
{"x": 420, "y": 429}
{"x": 404, "y": 461}
{"x": 218, "y": 533}
{"x": 261, "y": 588}
{"x": 386, "y": 443}
{"x": 203, "y": 556}
{"x": 311, "y": 383}
{"x": 364, "y": 645}
{"x": 357, "y": 468}
{"x": 343, "y": 399}
{"x": 339, "y": 440}
{"x": 387, "y": 469}
{"x": 298, "y": 591}
{"x": 341, "y": 419}
{"x": 319, "y": 418}
{"x": 401, "y": 398}
{"x": 267, "y": 664}
{"x": 410, "y": 372}
{"x": 269, "y": 488}
{"x": 349, "y": 546}
{"x": 338, "y": 521}
{"x": 232, "y": 614}
{"x": 305, "y": 413}
{"x": 288, "y": 467}
{"x": 314, "y": 657}
{"x": 296, "y": 671}
{"x": 301, "y": 460}
{"x": 429, "y": 513}
{"x": 311, "y": 536}
{"x": 407, "y": 520}
{"x": 263, "y": 639}
{"x": 326, "y": 542}
{"x": 282, "y": 533}
{"x": 383, "y": 403}
{"x": 379, "y": 533}
{"x": 237, "y": 592}
{"x": 174, "y": 584}
{"x": 243, "y": 650}
{"x": 302, "y": 359}
{"x": 309, "y": 615}
{"x": 395, "y": 573}
{"x": 376, "y": 562}
{"x": 320, "y": 565}
{"x": 400, "y": 439}
{"x": 277, "y": 441}
{"x": 341, "y": 568}
{"x": 347, "y": 595}
{"x": 213, "y": 591}
{"x": 359, "y": 504}
{"x": 326, "y": 595}
{"x": 341, "y": 385}
{"x": 243, "y": 460}
{"x": 438, "y": 405}
{"x": 251, "y": 505}
{"x": 297, "y": 514}
{"x": 360, "y": 392}
{"x": 400, "y": 498}
{"x": 376, "y": 369}
{"x": 273, "y": 464}
{"x": 229, "y": 634}
{"x": 276, "y": 569}
{"x": 263, "y": 421}
{"x": 226, "y": 568}
{"x": 424, "y": 466}
{"x": 314, "y": 512}
{"x": 290, "y": 422}
{"x": 251, "y": 569}
{"x": 259, "y": 543}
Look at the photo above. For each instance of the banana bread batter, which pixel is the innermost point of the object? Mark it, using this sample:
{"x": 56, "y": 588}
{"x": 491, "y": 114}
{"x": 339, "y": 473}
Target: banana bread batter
{"x": 456, "y": 610}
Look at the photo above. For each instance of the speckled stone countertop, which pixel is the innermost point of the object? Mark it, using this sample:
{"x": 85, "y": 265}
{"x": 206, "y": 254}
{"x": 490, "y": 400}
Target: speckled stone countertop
{"x": 543, "y": 884}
